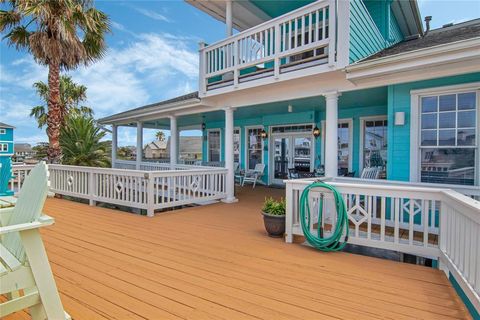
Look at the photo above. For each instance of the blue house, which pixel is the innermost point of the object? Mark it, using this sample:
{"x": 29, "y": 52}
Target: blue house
{"x": 6, "y": 153}
{"x": 331, "y": 88}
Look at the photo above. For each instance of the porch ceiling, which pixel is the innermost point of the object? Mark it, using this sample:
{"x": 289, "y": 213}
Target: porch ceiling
{"x": 352, "y": 99}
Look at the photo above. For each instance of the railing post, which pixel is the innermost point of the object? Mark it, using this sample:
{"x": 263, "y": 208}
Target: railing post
{"x": 289, "y": 213}
{"x": 91, "y": 189}
{"x": 277, "y": 50}
{"x": 332, "y": 31}
{"x": 202, "y": 87}
{"x": 150, "y": 180}
{"x": 236, "y": 56}
{"x": 442, "y": 235}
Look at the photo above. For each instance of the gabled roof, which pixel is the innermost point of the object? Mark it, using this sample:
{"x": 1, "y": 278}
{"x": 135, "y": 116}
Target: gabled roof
{"x": 157, "y": 145}
{"x": 22, "y": 147}
{"x": 444, "y": 35}
{"x": 4, "y": 125}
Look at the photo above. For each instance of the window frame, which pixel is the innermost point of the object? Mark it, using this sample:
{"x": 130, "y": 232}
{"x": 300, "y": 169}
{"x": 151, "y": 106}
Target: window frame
{"x": 220, "y": 143}
{"x": 415, "y": 128}
{"x": 3, "y": 131}
{"x": 362, "y": 139}
{"x": 348, "y": 121}
{"x": 246, "y": 164}
{"x": 239, "y": 145}
{"x": 2, "y": 145}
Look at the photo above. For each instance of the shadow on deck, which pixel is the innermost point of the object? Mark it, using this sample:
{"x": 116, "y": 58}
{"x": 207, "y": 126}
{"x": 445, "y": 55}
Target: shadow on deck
{"x": 216, "y": 262}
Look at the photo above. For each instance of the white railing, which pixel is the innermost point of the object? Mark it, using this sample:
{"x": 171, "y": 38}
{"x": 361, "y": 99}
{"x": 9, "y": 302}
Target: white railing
{"x": 163, "y": 166}
{"x": 418, "y": 219}
{"x": 301, "y": 36}
{"x": 141, "y": 189}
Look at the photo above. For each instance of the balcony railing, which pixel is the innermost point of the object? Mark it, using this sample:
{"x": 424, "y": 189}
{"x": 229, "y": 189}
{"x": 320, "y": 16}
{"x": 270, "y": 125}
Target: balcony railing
{"x": 300, "y": 39}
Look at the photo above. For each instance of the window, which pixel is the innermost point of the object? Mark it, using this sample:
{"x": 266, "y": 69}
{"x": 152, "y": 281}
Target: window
{"x": 214, "y": 145}
{"x": 254, "y": 147}
{"x": 236, "y": 145}
{"x": 3, "y": 131}
{"x": 3, "y": 147}
{"x": 448, "y": 138}
{"x": 375, "y": 142}
{"x": 344, "y": 145}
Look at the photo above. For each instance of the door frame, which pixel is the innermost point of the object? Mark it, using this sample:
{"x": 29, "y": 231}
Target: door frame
{"x": 362, "y": 134}
{"x": 291, "y": 136}
{"x": 349, "y": 121}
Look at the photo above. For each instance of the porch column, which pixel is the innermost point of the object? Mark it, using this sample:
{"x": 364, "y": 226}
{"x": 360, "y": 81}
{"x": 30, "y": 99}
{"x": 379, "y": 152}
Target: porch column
{"x": 173, "y": 141}
{"x": 114, "y": 144}
{"x": 228, "y": 17}
{"x": 139, "y": 145}
{"x": 331, "y": 134}
{"x": 229, "y": 159}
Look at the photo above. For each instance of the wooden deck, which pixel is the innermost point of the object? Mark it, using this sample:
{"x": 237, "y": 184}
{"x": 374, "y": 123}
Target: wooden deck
{"x": 215, "y": 262}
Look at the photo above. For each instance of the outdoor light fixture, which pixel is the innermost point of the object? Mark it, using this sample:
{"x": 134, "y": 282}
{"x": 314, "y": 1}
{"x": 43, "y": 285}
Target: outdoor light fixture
{"x": 316, "y": 132}
{"x": 263, "y": 134}
{"x": 204, "y": 126}
{"x": 399, "y": 118}
{"x": 290, "y": 108}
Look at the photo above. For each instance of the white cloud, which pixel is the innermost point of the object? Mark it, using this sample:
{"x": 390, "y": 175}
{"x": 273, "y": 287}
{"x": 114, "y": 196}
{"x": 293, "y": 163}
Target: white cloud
{"x": 148, "y": 69}
{"x": 153, "y": 14}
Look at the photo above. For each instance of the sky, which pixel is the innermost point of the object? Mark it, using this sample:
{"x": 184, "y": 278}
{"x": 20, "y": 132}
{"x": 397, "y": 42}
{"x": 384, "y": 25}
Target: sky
{"x": 152, "y": 55}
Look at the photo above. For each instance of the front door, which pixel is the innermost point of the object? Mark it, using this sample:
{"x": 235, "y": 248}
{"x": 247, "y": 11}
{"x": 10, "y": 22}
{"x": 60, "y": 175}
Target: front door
{"x": 292, "y": 152}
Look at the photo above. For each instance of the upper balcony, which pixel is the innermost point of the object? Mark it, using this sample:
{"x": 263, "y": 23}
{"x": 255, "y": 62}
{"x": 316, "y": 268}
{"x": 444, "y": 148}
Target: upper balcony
{"x": 303, "y": 38}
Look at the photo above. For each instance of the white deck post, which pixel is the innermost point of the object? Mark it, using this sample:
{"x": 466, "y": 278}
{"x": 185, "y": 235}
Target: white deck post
{"x": 228, "y": 18}
{"x": 114, "y": 144}
{"x": 229, "y": 159}
{"x": 139, "y": 145}
{"x": 173, "y": 141}
{"x": 331, "y": 134}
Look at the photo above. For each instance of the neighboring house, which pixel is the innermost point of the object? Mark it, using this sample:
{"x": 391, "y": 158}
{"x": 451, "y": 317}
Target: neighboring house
{"x": 156, "y": 150}
{"x": 190, "y": 148}
{"x": 384, "y": 91}
{"x": 23, "y": 151}
{"x": 6, "y": 153}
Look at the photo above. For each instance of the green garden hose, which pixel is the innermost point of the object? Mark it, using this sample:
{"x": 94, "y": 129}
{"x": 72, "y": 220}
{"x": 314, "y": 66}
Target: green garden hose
{"x": 334, "y": 241}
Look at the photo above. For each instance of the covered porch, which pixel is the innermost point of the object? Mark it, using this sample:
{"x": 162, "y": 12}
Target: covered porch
{"x": 216, "y": 262}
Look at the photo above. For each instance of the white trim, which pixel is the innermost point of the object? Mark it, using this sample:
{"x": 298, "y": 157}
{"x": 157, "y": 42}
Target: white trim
{"x": 239, "y": 144}
{"x": 3, "y": 131}
{"x": 246, "y": 128}
{"x": 415, "y": 95}
{"x": 362, "y": 133}
{"x": 349, "y": 121}
{"x": 1, "y": 147}
{"x": 220, "y": 143}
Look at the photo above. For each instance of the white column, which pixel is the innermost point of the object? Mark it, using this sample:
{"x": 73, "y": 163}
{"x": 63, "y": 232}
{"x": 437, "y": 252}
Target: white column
{"x": 228, "y": 17}
{"x": 114, "y": 144}
{"x": 139, "y": 145}
{"x": 173, "y": 141}
{"x": 229, "y": 159}
{"x": 331, "y": 134}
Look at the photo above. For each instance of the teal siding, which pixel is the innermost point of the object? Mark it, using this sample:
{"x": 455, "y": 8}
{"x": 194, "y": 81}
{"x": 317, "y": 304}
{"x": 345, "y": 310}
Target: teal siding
{"x": 398, "y": 166}
{"x": 7, "y": 138}
{"x": 365, "y": 37}
{"x": 373, "y": 27}
{"x": 471, "y": 308}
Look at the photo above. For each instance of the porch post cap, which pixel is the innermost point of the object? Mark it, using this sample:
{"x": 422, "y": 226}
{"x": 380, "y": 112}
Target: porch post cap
{"x": 229, "y": 108}
{"x": 332, "y": 94}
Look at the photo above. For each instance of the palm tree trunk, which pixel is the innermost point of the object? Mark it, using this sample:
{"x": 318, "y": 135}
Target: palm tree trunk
{"x": 54, "y": 115}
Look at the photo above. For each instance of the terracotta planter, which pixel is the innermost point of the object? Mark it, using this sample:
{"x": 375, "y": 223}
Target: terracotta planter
{"x": 275, "y": 225}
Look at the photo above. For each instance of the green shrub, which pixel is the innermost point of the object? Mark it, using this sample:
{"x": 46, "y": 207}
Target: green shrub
{"x": 273, "y": 207}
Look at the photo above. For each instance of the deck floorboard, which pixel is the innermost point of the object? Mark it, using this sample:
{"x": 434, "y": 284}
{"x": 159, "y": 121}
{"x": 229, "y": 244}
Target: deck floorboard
{"x": 215, "y": 262}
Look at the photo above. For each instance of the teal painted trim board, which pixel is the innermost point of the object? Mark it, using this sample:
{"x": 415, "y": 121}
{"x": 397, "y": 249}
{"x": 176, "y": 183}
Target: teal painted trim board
{"x": 473, "y": 312}
{"x": 399, "y": 100}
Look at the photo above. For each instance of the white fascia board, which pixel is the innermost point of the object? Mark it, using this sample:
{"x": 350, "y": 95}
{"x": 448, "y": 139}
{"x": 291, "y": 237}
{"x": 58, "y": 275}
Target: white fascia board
{"x": 165, "y": 110}
{"x": 465, "y": 50}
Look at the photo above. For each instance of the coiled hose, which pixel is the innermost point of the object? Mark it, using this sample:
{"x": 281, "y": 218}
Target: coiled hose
{"x": 334, "y": 241}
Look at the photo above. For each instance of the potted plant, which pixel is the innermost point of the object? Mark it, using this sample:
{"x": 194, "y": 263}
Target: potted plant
{"x": 274, "y": 217}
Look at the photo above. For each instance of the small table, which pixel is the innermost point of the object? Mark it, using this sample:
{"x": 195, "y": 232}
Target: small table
{"x": 7, "y": 201}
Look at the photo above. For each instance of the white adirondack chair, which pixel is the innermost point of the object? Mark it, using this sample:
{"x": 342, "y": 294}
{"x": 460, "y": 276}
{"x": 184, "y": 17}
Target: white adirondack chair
{"x": 371, "y": 173}
{"x": 24, "y": 264}
{"x": 253, "y": 175}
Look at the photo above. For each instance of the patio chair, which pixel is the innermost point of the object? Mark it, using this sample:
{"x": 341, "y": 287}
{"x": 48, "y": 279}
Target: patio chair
{"x": 25, "y": 275}
{"x": 253, "y": 175}
{"x": 371, "y": 173}
{"x": 238, "y": 174}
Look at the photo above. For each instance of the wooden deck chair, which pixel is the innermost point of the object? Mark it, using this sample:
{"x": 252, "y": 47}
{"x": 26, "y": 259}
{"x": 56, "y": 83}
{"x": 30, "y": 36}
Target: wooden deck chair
{"x": 253, "y": 175}
{"x": 371, "y": 173}
{"x": 25, "y": 274}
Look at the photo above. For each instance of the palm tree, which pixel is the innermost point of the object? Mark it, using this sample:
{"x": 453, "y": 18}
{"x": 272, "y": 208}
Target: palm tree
{"x": 81, "y": 143}
{"x": 71, "y": 95}
{"x": 160, "y": 135}
{"x": 60, "y": 34}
